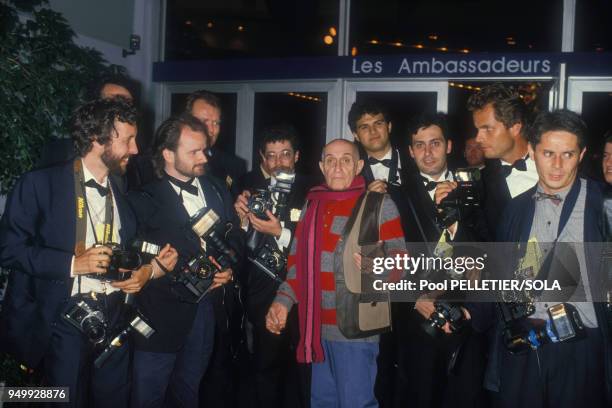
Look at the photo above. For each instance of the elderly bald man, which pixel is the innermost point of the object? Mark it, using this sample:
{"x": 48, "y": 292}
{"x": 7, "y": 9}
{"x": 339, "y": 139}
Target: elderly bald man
{"x": 343, "y": 369}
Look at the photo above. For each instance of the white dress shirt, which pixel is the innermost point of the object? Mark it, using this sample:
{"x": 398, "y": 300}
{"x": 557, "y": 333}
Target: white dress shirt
{"x": 381, "y": 172}
{"x": 192, "y": 203}
{"x": 520, "y": 181}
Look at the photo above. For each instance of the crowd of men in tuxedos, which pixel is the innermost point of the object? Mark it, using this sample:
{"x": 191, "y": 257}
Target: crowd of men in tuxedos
{"x": 98, "y": 188}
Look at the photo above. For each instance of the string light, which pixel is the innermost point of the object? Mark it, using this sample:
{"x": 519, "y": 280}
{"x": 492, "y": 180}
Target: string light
{"x": 332, "y": 31}
{"x": 464, "y": 86}
{"x": 328, "y": 39}
{"x": 305, "y": 97}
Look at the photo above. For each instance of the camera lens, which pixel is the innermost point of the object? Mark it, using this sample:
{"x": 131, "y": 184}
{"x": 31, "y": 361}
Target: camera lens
{"x": 94, "y": 328}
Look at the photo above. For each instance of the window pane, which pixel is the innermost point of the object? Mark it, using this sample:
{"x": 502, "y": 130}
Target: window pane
{"x": 593, "y": 28}
{"x": 398, "y": 26}
{"x": 235, "y": 28}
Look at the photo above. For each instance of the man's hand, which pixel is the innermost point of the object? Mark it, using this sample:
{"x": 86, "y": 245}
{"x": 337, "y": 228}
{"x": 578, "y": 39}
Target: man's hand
{"x": 136, "y": 282}
{"x": 276, "y": 319}
{"x": 94, "y": 260}
{"x": 242, "y": 204}
{"x": 425, "y": 307}
{"x": 379, "y": 186}
{"x": 168, "y": 257}
{"x": 221, "y": 278}
{"x": 443, "y": 189}
{"x": 272, "y": 226}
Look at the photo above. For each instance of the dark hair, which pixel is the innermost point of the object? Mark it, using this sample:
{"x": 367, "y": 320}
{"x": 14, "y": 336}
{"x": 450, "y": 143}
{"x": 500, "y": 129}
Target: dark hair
{"x": 208, "y": 97}
{"x": 167, "y": 137}
{"x": 425, "y": 120}
{"x": 608, "y": 137}
{"x": 507, "y": 104}
{"x": 559, "y": 120}
{"x": 362, "y": 108}
{"x": 95, "y": 120}
{"x": 279, "y": 133}
{"x": 94, "y": 91}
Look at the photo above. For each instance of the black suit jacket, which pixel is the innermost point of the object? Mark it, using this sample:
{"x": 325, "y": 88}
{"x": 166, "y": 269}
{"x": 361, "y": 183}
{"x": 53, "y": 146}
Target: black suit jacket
{"x": 228, "y": 168}
{"x": 261, "y": 288}
{"x": 163, "y": 219}
{"x": 37, "y": 240}
{"x": 515, "y": 226}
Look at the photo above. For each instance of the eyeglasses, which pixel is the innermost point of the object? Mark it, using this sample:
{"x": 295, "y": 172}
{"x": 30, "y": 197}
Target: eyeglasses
{"x": 282, "y": 155}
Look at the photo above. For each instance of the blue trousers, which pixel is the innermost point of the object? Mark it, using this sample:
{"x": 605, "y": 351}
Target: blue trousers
{"x": 69, "y": 363}
{"x": 346, "y": 378}
{"x": 173, "y": 379}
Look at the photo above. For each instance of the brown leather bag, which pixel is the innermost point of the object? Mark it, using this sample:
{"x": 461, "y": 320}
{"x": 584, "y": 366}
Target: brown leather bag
{"x": 360, "y": 313}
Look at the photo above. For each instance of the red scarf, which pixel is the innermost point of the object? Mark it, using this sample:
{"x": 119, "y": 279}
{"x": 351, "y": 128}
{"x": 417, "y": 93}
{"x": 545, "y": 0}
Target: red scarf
{"x": 309, "y": 234}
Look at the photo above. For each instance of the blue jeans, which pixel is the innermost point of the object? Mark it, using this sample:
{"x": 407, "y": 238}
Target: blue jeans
{"x": 173, "y": 379}
{"x": 346, "y": 378}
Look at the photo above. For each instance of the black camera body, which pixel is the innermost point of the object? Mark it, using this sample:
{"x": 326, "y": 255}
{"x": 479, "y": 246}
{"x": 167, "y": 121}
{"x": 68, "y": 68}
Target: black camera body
{"x": 262, "y": 253}
{"x": 198, "y": 274}
{"x": 464, "y": 198}
{"x": 259, "y": 202}
{"x": 87, "y": 316}
{"x": 444, "y": 313}
{"x": 271, "y": 261}
{"x": 129, "y": 257}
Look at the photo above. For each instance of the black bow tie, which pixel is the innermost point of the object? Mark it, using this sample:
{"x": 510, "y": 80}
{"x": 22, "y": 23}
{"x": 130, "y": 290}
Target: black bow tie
{"x": 385, "y": 162}
{"x": 520, "y": 165}
{"x": 555, "y": 198}
{"x": 103, "y": 191}
{"x": 184, "y": 185}
{"x": 429, "y": 185}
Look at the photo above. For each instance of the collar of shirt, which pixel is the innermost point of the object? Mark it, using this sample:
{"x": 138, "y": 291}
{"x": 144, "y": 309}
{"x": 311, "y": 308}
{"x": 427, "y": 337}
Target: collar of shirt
{"x": 87, "y": 175}
{"x": 264, "y": 172}
{"x": 446, "y": 176}
{"x": 192, "y": 203}
{"x": 380, "y": 171}
{"x": 520, "y": 181}
{"x": 562, "y": 194}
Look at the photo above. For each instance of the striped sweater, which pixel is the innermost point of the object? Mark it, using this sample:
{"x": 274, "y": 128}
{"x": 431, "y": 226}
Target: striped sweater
{"x": 335, "y": 219}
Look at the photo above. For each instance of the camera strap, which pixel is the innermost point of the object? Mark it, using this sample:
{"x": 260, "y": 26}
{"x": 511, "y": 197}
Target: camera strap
{"x": 82, "y": 207}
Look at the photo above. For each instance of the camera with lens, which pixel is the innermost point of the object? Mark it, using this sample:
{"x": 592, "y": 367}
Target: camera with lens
{"x": 262, "y": 200}
{"x": 462, "y": 199}
{"x": 129, "y": 258}
{"x": 444, "y": 313}
{"x": 259, "y": 202}
{"x": 205, "y": 223}
{"x": 262, "y": 253}
{"x": 563, "y": 324}
{"x": 197, "y": 276}
{"x": 271, "y": 261}
{"x": 87, "y": 316}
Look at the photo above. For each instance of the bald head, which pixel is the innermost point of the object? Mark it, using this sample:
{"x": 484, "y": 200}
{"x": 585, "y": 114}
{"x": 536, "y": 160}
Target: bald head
{"x": 340, "y": 164}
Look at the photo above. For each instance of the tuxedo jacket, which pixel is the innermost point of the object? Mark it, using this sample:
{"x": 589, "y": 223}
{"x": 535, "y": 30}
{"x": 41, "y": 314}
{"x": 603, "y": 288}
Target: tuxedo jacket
{"x": 261, "y": 288}
{"x": 515, "y": 226}
{"x": 37, "y": 241}
{"x": 228, "y": 168}
{"x": 163, "y": 219}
